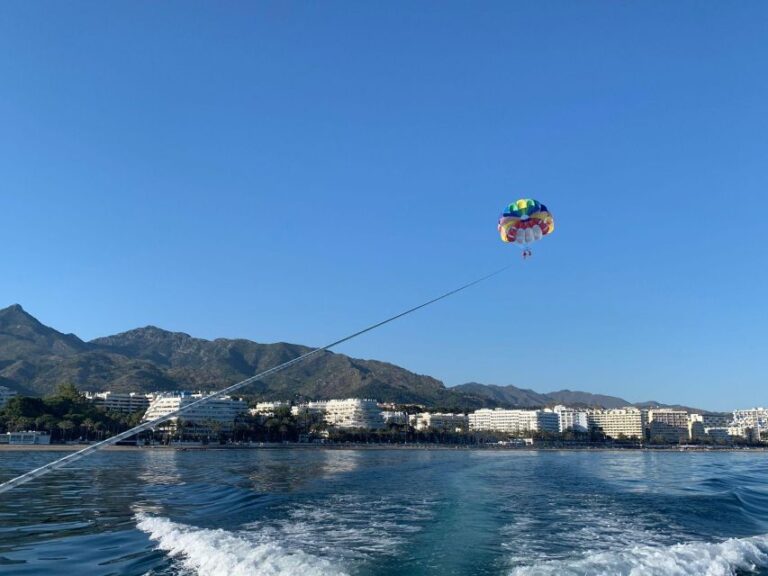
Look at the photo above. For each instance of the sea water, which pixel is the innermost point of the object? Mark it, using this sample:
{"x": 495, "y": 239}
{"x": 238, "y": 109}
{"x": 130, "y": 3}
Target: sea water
{"x": 370, "y": 512}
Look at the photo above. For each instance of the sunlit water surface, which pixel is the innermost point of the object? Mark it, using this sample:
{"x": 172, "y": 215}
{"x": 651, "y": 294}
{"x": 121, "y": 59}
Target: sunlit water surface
{"x": 368, "y": 512}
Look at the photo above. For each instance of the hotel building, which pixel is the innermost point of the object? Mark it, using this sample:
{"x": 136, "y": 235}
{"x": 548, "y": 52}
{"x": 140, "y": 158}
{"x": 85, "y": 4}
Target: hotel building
{"x": 571, "y": 419}
{"x": 717, "y": 419}
{"x": 755, "y": 418}
{"x": 310, "y": 408}
{"x": 120, "y": 401}
{"x": 514, "y": 421}
{"x": 267, "y": 408}
{"x": 354, "y": 413}
{"x": 617, "y": 422}
{"x": 349, "y": 413}
{"x": 668, "y": 425}
{"x": 394, "y": 417}
{"x": 217, "y": 415}
{"x": 438, "y": 421}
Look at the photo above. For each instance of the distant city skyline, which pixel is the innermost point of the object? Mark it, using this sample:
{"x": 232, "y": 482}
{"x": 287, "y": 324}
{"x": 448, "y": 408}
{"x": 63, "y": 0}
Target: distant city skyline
{"x": 295, "y": 172}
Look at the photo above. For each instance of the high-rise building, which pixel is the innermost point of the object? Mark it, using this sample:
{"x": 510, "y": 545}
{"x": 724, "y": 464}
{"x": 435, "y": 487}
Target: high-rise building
{"x": 617, "y": 422}
{"x": 125, "y": 402}
{"x": 572, "y": 419}
{"x": 668, "y": 425}
{"x": 755, "y": 419}
{"x": 719, "y": 433}
{"x": 746, "y": 432}
{"x": 354, "y": 413}
{"x": 438, "y": 421}
{"x": 514, "y": 421}
{"x": 696, "y": 429}
{"x": 717, "y": 419}
{"x": 394, "y": 417}
{"x": 267, "y": 408}
{"x": 217, "y": 415}
{"x": 307, "y": 408}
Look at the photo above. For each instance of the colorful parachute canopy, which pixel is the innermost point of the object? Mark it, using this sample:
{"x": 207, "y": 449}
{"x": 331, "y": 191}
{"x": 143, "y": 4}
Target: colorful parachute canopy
{"x": 525, "y": 221}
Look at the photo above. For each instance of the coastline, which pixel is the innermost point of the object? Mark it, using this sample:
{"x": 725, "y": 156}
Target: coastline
{"x": 302, "y": 446}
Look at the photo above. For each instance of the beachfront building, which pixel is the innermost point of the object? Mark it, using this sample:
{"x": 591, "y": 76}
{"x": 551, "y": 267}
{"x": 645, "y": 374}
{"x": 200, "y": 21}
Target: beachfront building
{"x": 617, "y": 422}
{"x": 397, "y": 417}
{"x": 268, "y": 408}
{"x": 745, "y": 432}
{"x": 755, "y": 419}
{"x": 571, "y": 419}
{"x": 308, "y": 408}
{"x": 513, "y": 421}
{"x": 125, "y": 402}
{"x": 717, "y": 419}
{"x": 720, "y": 434}
{"x": 440, "y": 422}
{"x": 696, "y": 429}
{"x": 668, "y": 425}
{"x": 354, "y": 413}
{"x": 26, "y": 437}
{"x": 349, "y": 413}
{"x": 5, "y": 395}
{"x": 211, "y": 417}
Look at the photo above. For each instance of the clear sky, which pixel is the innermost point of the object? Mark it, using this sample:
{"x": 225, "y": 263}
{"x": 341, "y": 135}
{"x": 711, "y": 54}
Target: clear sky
{"x": 292, "y": 171}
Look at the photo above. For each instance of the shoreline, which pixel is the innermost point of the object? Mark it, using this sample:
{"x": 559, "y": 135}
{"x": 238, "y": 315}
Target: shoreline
{"x": 297, "y": 446}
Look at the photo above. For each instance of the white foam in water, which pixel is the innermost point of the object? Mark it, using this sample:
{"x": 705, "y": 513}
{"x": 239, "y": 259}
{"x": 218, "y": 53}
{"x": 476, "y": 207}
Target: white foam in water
{"x": 352, "y": 528}
{"x": 734, "y": 556}
{"x": 223, "y": 553}
{"x": 601, "y": 527}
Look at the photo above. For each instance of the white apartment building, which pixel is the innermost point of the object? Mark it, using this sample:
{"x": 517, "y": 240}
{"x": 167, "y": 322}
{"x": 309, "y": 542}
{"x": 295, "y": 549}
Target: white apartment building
{"x": 668, "y": 425}
{"x": 754, "y": 418}
{"x": 747, "y": 432}
{"x": 571, "y": 419}
{"x": 394, "y": 417}
{"x": 439, "y": 421}
{"x": 318, "y": 407}
{"x": 5, "y": 395}
{"x": 719, "y": 433}
{"x": 717, "y": 419}
{"x": 696, "y": 429}
{"x": 627, "y": 422}
{"x": 209, "y": 417}
{"x": 120, "y": 401}
{"x": 354, "y": 413}
{"x": 514, "y": 421}
{"x": 268, "y": 408}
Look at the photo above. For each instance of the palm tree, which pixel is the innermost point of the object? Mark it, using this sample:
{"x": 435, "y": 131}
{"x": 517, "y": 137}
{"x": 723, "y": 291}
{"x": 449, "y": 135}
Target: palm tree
{"x": 22, "y": 423}
{"x": 65, "y": 426}
{"x": 99, "y": 428}
{"x": 215, "y": 428}
{"x": 89, "y": 426}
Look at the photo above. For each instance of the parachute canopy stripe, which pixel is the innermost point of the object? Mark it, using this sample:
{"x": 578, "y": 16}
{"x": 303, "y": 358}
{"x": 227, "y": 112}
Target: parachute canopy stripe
{"x": 525, "y": 221}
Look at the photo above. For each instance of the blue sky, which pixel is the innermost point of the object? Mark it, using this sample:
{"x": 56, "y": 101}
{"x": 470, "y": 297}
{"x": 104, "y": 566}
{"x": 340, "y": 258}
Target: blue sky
{"x": 288, "y": 171}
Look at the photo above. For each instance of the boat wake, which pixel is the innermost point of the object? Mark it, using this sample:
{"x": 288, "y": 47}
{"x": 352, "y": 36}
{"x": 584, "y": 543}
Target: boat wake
{"x": 208, "y": 552}
{"x": 736, "y": 556}
{"x": 334, "y": 536}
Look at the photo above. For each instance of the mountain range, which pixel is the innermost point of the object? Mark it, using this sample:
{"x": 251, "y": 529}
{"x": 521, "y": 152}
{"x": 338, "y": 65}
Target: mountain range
{"x": 35, "y": 359}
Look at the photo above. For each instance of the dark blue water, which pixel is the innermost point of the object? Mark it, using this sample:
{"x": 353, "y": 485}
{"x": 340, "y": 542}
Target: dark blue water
{"x": 444, "y": 512}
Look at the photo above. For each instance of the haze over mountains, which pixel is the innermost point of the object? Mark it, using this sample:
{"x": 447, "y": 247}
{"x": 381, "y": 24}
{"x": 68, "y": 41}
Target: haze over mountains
{"x": 35, "y": 359}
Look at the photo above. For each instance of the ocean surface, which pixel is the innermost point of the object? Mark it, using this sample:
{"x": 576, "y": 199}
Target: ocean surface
{"x": 371, "y": 512}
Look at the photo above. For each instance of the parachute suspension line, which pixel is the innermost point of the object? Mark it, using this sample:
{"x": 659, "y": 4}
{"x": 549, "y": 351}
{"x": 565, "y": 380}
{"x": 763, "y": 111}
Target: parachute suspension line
{"x": 74, "y": 456}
